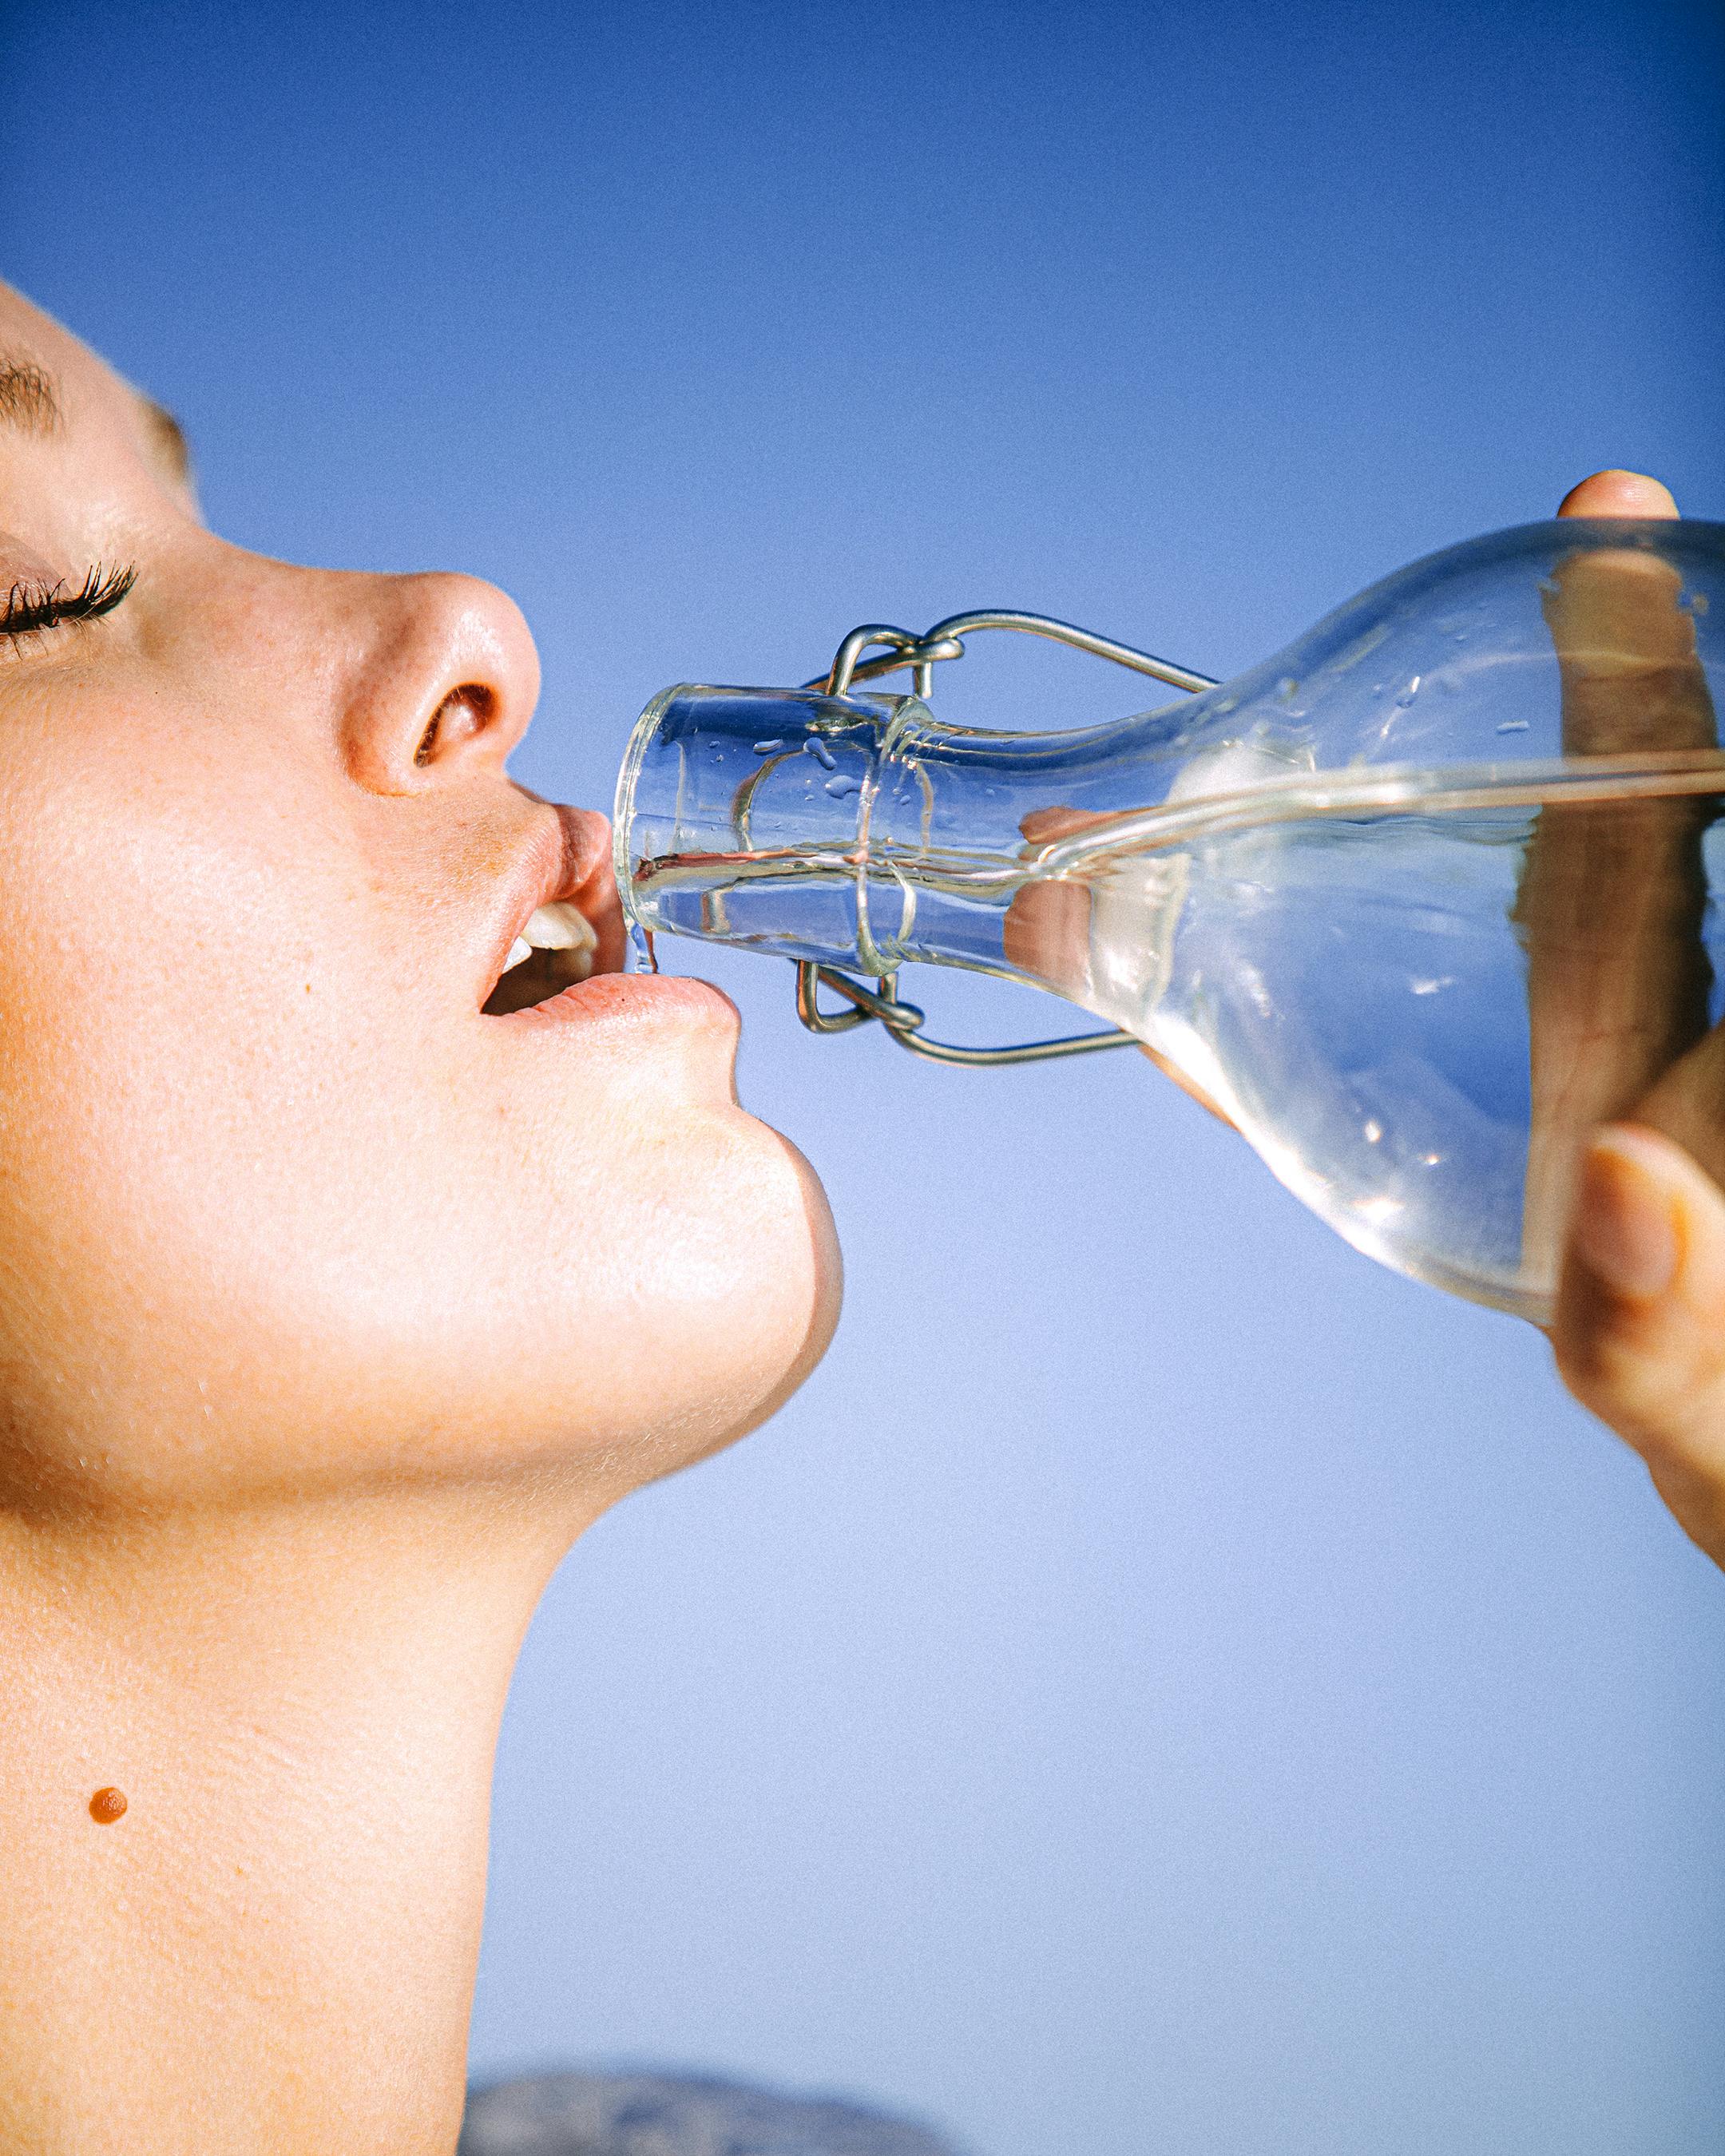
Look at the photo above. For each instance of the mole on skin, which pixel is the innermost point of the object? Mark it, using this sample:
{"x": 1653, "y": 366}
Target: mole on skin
{"x": 106, "y": 1806}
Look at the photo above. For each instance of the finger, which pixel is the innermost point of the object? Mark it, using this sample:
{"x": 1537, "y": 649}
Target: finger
{"x": 1688, "y": 1104}
{"x": 1639, "y": 1330}
{"x": 1626, "y": 645}
{"x": 1047, "y": 930}
{"x": 1615, "y": 493}
{"x": 1043, "y": 826}
{"x": 1186, "y": 1085}
{"x": 1612, "y": 898}
{"x": 1047, "y": 933}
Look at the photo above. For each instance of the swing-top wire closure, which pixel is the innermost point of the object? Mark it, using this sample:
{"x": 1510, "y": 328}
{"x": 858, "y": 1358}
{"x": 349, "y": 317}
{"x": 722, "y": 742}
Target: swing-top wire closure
{"x": 904, "y": 1021}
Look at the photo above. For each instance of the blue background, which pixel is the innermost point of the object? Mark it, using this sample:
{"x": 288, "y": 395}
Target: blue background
{"x": 1165, "y": 1685}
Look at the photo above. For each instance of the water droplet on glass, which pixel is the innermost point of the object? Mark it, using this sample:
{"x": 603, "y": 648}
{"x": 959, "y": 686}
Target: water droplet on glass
{"x": 843, "y": 784}
{"x": 766, "y": 749}
{"x": 1408, "y": 694}
{"x": 823, "y": 755}
{"x": 1513, "y": 727}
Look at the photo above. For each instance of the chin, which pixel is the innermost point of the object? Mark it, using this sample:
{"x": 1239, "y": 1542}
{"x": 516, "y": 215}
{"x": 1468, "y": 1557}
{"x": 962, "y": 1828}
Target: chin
{"x": 750, "y": 1302}
{"x": 700, "y": 1289}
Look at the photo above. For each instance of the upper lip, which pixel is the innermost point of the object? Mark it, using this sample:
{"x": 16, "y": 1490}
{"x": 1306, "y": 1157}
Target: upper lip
{"x": 566, "y": 858}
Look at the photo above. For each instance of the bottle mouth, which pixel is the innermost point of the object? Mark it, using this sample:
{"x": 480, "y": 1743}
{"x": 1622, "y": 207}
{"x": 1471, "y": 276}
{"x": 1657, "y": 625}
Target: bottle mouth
{"x": 623, "y": 855}
{"x": 743, "y": 815}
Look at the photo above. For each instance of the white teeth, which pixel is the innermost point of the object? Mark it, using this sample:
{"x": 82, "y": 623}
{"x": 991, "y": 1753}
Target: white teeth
{"x": 560, "y": 927}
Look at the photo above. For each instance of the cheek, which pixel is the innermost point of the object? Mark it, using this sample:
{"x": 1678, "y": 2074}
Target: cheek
{"x": 186, "y": 1216}
{"x": 269, "y": 1213}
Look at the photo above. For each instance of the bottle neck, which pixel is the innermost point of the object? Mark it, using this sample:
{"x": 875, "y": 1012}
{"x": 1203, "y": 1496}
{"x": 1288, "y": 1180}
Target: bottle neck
{"x": 859, "y": 831}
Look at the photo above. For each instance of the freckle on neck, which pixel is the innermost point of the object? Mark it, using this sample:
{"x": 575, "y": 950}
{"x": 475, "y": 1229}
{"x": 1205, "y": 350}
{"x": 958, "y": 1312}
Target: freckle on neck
{"x": 107, "y": 1805}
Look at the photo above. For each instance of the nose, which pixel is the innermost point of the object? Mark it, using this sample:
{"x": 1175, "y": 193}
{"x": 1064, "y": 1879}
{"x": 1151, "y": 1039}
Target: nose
{"x": 439, "y": 677}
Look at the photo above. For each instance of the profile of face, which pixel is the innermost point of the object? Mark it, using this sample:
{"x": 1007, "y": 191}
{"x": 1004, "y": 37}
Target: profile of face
{"x": 284, "y": 1206}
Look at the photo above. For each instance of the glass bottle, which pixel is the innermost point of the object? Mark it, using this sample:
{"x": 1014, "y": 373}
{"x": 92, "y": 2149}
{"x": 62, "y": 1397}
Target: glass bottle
{"x": 1414, "y": 904}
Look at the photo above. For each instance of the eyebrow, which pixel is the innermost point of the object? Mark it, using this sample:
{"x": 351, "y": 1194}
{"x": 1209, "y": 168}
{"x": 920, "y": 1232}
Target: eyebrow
{"x": 29, "y": 401}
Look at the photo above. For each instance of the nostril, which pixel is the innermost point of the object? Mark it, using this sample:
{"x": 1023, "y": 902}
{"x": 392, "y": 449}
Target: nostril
{"x": 464, "y": 713}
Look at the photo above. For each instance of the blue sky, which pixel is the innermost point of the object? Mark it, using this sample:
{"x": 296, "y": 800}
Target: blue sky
{"x": 1165, "y": 1685}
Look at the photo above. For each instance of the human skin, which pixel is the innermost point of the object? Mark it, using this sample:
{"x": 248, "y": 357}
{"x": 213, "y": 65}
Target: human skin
{"x": 1638, "y": 1329}
{"x": 331, "y": 1308}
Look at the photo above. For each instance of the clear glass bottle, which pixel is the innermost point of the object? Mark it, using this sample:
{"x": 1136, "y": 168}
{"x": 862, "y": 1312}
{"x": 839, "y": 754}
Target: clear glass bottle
{"x": 1415, "y": 903}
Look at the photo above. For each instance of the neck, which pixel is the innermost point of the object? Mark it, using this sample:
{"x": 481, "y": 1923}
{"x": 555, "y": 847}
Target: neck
{"x": 274, "y": 1947}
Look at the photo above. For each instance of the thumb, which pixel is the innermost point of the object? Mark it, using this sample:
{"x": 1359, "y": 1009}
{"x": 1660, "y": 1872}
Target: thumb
{"x": 1639, "y": 1327}
{"x": 1616, "y": 493}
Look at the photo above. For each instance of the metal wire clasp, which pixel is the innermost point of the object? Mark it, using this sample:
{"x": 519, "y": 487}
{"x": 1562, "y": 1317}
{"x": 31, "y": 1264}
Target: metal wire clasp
{"x": 904, "y": 1021}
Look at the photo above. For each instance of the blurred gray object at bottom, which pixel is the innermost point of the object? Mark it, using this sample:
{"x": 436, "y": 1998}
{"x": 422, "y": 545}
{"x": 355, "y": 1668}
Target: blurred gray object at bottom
{"x": 675, "y": 2115}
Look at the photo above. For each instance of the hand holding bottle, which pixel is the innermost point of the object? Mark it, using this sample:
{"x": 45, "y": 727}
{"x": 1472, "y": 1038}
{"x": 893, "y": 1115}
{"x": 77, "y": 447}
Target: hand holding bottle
{"x": 1610, "y": 909}
{"x": 1638, "y": 1329}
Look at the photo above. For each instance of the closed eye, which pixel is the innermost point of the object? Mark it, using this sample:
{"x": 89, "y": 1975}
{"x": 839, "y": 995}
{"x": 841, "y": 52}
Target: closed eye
{"x": 31, "y": 609}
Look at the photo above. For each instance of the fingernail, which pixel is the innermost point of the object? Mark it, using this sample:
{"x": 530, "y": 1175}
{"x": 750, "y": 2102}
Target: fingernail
{"x": 1622, "y": 1228}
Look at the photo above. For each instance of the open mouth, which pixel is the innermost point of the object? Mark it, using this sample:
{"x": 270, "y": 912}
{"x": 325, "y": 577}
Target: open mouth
{"x": 558, "y": 948}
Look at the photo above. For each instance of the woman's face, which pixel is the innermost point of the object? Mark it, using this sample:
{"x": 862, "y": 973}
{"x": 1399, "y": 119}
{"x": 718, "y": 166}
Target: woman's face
{"x": 281, "y": 1204}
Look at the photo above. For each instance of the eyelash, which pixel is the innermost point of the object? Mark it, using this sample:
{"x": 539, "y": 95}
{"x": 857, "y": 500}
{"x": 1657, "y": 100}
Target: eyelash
{"x": 30, "y": 608}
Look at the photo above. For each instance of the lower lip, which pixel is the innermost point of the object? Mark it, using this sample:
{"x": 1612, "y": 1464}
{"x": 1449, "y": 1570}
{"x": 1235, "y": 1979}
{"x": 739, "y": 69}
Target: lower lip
{"x": 631, "y": 1000}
